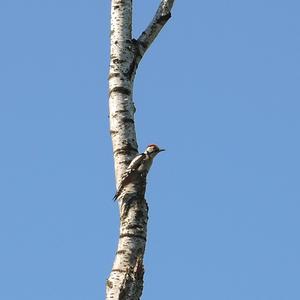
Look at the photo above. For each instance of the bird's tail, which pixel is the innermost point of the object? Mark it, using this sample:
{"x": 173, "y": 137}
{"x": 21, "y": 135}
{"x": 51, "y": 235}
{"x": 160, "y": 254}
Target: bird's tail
{"x": 117, "y": 194}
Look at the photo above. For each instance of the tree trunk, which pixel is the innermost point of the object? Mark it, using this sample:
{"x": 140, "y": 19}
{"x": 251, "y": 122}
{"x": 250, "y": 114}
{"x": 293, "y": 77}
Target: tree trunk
{"x": 126, "y": 278}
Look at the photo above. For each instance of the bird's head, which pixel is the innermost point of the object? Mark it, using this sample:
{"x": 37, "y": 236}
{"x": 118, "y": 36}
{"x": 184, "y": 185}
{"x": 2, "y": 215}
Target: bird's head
{"x": 152, "y": 150}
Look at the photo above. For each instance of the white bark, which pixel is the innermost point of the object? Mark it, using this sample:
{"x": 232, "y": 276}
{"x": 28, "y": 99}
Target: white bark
{"x": 121, "y": 107}
{"x": 126, "y": 278}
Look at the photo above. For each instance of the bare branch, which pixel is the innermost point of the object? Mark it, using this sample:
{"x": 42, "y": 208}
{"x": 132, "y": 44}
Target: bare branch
{"x": 162, "y": 15}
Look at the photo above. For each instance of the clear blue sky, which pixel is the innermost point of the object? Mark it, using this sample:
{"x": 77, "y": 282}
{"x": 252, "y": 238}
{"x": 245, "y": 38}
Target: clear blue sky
{"x": 219, "y": 90}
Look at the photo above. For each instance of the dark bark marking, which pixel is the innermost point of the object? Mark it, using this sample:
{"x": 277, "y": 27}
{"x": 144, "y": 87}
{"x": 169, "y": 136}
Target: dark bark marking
{"x": 118, "y": 270}
{"x": 132, "y": 285}
{"x": 128, "y": 120}
{"x": 125, "y": 150}
{"x": 121, "y": 90}
{"x": 126, "y": 206}
{"x": 138, "y": 236}
{"x": 118, "y": 61}
{"x": 121, "y": 252}
{"x": 120, "y": 111}
{"x": 125, "y": 162}
{"x": 112, "y": 132}
{"x": 163, "y": 19}
{"x": 136, "y": 226}
{"x": 121, "y": 2}
{"x": 140, "y": 214}
{"x": 113, "y": 75}
{"x": 139, "y": 268}
{"x": 136, "y": 53}
{"x": 144, "y": 45}
{"x": 124, "y": 290}
{"x": 131, "y": 69}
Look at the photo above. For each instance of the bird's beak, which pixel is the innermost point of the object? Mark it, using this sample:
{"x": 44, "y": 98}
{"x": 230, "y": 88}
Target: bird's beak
{"x": 160, "y": 150}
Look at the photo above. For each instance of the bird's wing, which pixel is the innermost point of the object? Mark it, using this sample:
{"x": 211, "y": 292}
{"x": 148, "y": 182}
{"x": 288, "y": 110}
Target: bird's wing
{"x": 134, "y": 164}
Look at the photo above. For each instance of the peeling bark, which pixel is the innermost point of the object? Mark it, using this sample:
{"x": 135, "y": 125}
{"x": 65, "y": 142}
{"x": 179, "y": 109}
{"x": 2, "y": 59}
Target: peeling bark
{"x": 126, "y": 278}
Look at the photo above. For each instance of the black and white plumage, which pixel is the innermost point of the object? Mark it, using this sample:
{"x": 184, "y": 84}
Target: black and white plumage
{"x": 139, "y": 166}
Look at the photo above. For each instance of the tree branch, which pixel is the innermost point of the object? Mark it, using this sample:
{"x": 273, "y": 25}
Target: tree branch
{"x": 162, "y": 15}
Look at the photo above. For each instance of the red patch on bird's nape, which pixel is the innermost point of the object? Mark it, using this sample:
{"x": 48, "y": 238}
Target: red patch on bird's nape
{"x": 153, "y": 145}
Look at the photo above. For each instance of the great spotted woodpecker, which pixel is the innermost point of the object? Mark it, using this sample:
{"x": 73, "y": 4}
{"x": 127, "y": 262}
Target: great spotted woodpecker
{"x": 140, "y": 165}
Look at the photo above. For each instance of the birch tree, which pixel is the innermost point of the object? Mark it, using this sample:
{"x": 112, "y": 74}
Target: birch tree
{"x": 126, "y": 278}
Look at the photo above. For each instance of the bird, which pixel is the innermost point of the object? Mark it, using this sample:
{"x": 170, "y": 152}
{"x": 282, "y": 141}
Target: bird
{"x": 139, "y": 166}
